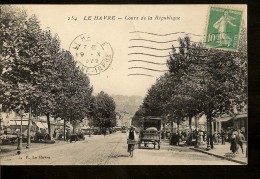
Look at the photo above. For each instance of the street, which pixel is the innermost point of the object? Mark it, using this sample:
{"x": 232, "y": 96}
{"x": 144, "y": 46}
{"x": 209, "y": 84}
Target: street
{"x": 111, "y": 150}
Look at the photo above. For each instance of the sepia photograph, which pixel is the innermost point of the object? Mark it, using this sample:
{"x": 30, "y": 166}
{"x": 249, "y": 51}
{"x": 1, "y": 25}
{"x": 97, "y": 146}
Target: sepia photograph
{"x": 123, "y": 84}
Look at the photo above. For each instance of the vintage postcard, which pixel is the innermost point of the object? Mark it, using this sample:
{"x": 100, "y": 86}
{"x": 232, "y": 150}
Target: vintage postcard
{"x": 123, "y": 85}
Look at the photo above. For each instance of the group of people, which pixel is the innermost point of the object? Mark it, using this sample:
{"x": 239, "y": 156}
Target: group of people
{"x": 236, "y": 138}
{"x": 236, "y": 141}
{"x": 220, "y": 137}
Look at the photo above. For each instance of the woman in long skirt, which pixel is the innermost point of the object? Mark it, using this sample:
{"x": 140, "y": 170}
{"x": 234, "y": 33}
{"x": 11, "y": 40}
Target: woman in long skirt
{"x": 234, "y": 144}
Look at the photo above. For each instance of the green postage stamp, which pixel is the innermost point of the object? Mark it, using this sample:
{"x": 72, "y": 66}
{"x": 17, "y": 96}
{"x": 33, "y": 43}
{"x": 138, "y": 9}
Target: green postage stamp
{"x": 223, "y": 28}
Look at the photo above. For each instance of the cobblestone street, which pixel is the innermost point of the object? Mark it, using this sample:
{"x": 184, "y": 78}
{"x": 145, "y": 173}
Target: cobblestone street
{"x": 110, "y": 150}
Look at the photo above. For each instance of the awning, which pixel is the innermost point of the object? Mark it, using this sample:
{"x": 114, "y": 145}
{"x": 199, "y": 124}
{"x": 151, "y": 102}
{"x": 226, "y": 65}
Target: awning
{"x": 40, "y": 125}
{"x": 18, "y": 123}
{"x": 85, "y": 127}
{"x": 224, "y": 119}
{"x": 241, "y": 116}
{"x": 59, "y": 124}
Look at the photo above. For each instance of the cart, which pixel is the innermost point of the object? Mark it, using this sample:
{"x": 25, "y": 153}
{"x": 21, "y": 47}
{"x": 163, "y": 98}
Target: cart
{"x": 151, "y": 132}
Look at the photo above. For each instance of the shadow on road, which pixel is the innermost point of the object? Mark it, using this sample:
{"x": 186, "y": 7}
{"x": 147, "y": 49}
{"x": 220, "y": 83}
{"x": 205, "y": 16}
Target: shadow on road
{"x": 148, "y": 148}
{"x": 117, "y": 156}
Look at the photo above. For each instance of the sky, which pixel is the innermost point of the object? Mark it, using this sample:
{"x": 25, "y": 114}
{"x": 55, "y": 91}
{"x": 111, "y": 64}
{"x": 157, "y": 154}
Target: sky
{"x": 133, "y": 68}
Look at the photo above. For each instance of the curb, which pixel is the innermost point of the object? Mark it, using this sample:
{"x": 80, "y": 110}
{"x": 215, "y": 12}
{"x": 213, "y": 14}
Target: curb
{"x": 219, "y": 156}
{"x": 14, "y": 152}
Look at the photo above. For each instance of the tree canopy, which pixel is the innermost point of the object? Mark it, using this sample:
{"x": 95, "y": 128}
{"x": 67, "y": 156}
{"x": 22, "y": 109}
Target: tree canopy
{"x": 37, "y": 73}
{"x": 200, "y": 80}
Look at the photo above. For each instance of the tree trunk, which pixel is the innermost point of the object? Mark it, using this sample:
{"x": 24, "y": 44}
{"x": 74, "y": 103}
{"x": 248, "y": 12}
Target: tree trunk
{"x": 210, "y": 131}
{"x": 64, "y": 130}
{"x": 209, "y": 128}
{"x": 196, "y": 122}
{"x": 49, "y": 123}
{"x": 190, "y": 118}
{"x": 164, "y": 131}
{"x": 29, "y": 128}
{"x": 178, "y": 125}
{"x": 171, "y": 127}
{"x": 74, "y": 126}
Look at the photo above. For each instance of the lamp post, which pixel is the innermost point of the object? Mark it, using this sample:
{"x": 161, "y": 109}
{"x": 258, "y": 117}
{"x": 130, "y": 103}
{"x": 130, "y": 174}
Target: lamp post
{"x": 20, "y": 137}
{"x": 1, "y": 118}
{"x": 29, "y": 129}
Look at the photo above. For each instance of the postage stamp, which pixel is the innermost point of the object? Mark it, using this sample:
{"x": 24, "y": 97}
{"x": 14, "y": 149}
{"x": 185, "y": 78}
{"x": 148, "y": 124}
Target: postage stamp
{"x": 223, "y": 28}
{"x": 93, "y": 57}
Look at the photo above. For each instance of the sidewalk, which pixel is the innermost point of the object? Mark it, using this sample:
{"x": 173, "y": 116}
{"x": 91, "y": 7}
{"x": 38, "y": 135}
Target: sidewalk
{"x": 11, "y": 149}
{"x": 223, "y": 151}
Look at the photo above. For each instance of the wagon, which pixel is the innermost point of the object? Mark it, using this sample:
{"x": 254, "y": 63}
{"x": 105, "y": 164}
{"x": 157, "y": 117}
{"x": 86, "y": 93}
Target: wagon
{"x": 151, "y": 132}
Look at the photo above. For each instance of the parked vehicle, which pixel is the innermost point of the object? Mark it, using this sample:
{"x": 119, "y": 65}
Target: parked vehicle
{"x": 151, "y": 132}
{"x": 80, "y": 136}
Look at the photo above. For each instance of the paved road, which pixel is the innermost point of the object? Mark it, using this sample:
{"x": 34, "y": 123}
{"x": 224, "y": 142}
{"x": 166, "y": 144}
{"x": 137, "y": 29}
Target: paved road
{"x": 111, "y": 150}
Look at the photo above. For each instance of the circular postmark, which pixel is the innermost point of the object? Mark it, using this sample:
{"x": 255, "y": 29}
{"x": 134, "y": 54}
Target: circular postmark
{"x": 92, "y": 57}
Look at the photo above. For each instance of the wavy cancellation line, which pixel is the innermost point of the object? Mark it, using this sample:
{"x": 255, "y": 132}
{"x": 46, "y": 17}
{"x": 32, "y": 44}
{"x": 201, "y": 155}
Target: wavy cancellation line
{"x": 147, "y": 62}
{"x": 164, "y": 42}
{"x": 139, "y": 74}
{"x": 172, "y": 33}
{"x": 170, "y": 48}
{"x": 150, "y": 48}
{"x": 147, "y": 69}
{"x": 147, "y": 54}
{"x": 174, "y": 40}
{"x": 165, "y": 34}
{"x": 147, "y": 40}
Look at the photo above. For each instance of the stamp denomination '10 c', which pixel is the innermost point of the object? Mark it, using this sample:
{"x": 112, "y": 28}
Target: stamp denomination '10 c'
{"x": 93, "y": 57}
{"x": 223, "y": 28}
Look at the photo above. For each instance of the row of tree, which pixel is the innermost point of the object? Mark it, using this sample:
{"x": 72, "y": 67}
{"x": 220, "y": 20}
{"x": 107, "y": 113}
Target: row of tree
{"x": 200, "y": 81}
{"x": 37, "y": 74}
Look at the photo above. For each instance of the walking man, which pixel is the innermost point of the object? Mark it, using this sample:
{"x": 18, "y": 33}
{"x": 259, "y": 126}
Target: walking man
{"x": 240, "y": 139}
{"x": 223, "y": 137}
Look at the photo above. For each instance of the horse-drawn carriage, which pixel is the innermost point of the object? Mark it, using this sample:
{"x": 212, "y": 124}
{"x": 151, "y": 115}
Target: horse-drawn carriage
{"x": 150, "y": 132}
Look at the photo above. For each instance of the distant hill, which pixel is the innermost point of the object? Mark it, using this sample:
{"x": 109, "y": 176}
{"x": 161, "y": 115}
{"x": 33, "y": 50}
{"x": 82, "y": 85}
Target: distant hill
{"x": 129, "y": 104}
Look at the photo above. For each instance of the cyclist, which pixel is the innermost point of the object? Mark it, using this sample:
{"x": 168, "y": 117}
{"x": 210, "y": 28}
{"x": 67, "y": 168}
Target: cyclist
{"x": 132, "y": 136}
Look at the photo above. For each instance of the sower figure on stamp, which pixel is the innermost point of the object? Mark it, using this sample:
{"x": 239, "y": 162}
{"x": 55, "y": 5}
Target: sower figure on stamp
{"x": 221, "y": 25}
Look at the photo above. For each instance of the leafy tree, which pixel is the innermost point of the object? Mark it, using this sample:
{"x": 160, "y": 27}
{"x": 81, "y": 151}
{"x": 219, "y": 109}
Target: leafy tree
{"x": 200, "y": 80}
{"x": 104, "y": 111}
{"x": 73, "y": 90}
{"x": 210, "y": 78}
{"x": 35, "y": 72}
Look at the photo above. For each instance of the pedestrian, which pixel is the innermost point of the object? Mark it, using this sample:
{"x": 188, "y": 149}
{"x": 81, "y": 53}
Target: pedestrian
{"x": 104, "y": 132}
{"x": 178, "y": 137}
{"x": 215, "y": 135}
{"x": 67, "y": 135}
{"x": 54, "y": 133}
{"x": 204, "y": 136}
{"x": 223, "y": 137}
{"x": 131, "y": 136}
{"x": 240, "y": 140}
{"x": 233, "y": 142}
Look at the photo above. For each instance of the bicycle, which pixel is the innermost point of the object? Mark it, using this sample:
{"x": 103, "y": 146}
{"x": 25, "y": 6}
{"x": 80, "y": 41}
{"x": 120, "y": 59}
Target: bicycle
{"x": 132, "y": 151}
{"x": 132, "y": 143}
